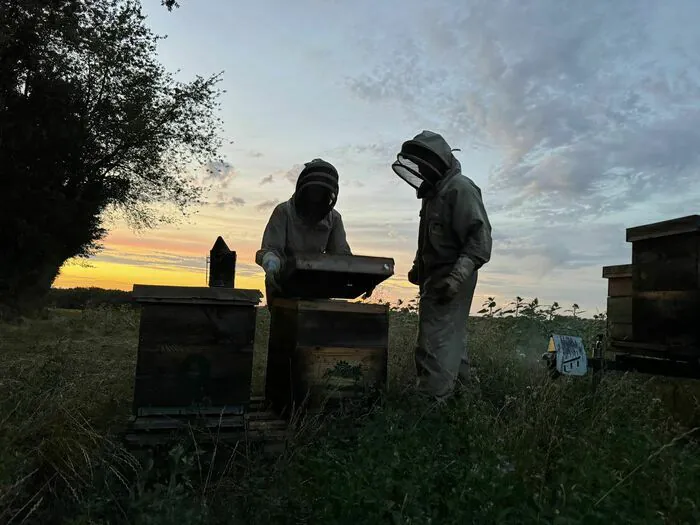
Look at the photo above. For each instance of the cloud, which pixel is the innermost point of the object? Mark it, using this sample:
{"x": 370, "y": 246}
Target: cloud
{"x": 593, "y": 107}
{"x": 218, "y": 173}
{"x": 223, "y": 199}
{"x": 292, "y": 174}
{"x": 255, "y": 154}
{"x": 216, "y": 179}
{"x": 267, "y": 205}
{"x": 237, "y": 201}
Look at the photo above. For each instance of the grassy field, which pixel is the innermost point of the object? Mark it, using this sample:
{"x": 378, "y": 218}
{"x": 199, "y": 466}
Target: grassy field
{"x": 518, "y": 448}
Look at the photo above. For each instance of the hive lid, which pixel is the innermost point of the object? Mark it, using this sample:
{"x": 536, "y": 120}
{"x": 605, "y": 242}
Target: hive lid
{"x": 324, "y": 276}
{"x": 145, "y": 293}
{"x": 689, "y": 224}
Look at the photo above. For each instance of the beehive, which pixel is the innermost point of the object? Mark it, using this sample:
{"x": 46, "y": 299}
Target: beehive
{"x": 324, "y": 350}
{"x": 619, "y": 301}
{"x": 195, "y": 349}
{"x": 666, "y": 284}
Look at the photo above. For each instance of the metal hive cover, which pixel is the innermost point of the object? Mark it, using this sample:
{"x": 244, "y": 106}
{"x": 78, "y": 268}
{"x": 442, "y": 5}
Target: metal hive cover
{"x": 324, "y": 276}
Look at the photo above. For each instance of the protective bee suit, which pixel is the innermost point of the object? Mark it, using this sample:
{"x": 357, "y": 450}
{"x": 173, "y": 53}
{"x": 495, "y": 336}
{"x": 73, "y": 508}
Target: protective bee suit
{"x": 454, "y": 241}
{"x": 306, "y": 223}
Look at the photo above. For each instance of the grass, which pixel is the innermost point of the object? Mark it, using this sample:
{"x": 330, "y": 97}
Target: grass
{"x": 517, "y": 448}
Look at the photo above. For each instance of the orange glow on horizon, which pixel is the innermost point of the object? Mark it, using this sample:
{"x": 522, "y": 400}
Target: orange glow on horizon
{"x": 117, "y": 276}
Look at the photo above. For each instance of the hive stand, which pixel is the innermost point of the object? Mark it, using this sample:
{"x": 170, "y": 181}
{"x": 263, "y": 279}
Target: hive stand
{"x": 654, "y": 303}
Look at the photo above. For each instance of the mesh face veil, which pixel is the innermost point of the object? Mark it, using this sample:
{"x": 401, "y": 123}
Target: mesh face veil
{"x": 408, "y": 170}
{"x": 418, "y": 166}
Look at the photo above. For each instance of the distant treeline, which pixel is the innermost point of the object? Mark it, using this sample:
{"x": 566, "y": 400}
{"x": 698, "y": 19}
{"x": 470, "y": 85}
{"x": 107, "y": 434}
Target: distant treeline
{"x": 80, "y": 298}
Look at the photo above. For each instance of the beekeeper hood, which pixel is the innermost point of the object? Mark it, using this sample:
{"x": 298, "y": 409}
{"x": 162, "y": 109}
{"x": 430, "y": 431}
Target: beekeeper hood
{"x": 424, "y": 160}
{"x": 316, "y": 191}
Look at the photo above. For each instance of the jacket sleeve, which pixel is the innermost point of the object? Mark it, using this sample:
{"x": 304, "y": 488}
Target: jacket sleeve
{"x": 337, "y": 240}
{"x": 274, "y": 238}
{"x": 471, "y": 225}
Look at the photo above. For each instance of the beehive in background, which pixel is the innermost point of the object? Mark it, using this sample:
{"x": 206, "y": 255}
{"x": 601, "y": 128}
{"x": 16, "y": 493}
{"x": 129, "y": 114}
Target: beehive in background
{"x": 619, "y": 301}
{"x": 654, "y": 303}
{"x": 666, "y": 283}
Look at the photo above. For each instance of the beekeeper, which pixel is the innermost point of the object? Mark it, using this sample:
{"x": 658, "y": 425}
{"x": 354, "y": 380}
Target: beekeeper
{"x": 306, "y": 223}
{"x": 454, "y": 242}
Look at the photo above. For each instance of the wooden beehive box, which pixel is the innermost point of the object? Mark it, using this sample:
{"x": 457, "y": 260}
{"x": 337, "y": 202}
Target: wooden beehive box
{"x": 195, "y": 350}
{"x": 323, "y": 348}
{"x": 619, "y": 301}
{"x": 666, "y": 284}
{"x": 327, "y": 350}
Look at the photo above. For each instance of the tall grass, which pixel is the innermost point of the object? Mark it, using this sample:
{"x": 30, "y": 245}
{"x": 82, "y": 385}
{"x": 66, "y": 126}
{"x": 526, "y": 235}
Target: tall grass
{"x": 516, "y": 447}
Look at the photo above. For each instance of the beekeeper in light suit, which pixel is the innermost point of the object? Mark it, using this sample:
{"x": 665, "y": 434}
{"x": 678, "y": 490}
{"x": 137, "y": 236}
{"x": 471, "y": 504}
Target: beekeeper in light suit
{"x": 306, "y": 223}
{"x": 454, "y": 242}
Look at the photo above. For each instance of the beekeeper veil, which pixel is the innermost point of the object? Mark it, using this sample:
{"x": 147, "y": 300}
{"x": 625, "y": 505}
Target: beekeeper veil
{"x": 423, "y": 161}
{"x": 316, "y": 190}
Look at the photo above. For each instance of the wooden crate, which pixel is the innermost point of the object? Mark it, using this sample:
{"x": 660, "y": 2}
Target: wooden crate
{"x": 666, "y": 282}
{"x": 328, "y": 350}
{"x": 195, "y": 349}
{"x": 619, "y": 318}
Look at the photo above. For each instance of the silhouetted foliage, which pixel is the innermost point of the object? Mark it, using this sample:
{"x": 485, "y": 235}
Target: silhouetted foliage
{"x": 90, "y": 122}
{"x": 81, "y": 298}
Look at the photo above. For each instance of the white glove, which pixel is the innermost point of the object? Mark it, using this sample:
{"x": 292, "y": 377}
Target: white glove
{"x": 271, "y": 263}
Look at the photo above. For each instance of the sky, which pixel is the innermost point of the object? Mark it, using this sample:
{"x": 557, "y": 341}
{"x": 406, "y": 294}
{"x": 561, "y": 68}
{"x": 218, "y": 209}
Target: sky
{"x": 576, "y": 119}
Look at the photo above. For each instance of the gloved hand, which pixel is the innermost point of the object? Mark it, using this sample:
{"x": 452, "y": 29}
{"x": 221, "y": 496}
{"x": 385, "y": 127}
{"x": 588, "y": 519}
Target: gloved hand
{"x": 413, "y": 276}
{"x": 446, "y": 289}
{"x": 271, "y": 265}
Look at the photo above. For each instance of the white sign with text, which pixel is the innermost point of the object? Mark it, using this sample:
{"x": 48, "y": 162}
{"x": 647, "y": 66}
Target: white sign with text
{"x": 571, "y": 356}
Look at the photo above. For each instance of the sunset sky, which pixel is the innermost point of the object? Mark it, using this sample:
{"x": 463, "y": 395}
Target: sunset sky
{"x": 577, "y": 120}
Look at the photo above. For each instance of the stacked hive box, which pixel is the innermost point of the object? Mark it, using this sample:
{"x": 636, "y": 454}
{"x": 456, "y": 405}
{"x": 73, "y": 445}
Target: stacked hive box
{"x": 619, "y": 301}
{"x": 659, "y": 293}
{"x": 195, "y": 348}
{"x": 194, "y": 367}
{"x": 322, "y": 351}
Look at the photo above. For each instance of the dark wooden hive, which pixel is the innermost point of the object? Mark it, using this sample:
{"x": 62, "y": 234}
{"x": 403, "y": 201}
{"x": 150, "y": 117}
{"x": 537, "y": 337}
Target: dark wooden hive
{"x": 666, "y": 283}
{"x": 324, "y": 349}
{"x": 619, "y": 301}
{"x": 195, "y": 349}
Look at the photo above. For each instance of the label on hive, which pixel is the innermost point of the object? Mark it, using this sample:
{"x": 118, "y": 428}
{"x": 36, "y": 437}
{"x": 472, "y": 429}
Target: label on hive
{"x": 571, "y": 356}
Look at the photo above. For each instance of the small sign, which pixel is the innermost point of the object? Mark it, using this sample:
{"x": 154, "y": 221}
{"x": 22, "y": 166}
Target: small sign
{"x": 571, "y": 356}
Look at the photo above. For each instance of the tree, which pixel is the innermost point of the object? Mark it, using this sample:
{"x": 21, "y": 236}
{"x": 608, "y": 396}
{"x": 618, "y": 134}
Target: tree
{"x": 90, "y": 121}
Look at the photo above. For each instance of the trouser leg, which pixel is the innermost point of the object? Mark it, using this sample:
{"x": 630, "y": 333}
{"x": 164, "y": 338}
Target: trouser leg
{"x": 464, "y": 365}
{"x": 440, "y": 351}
